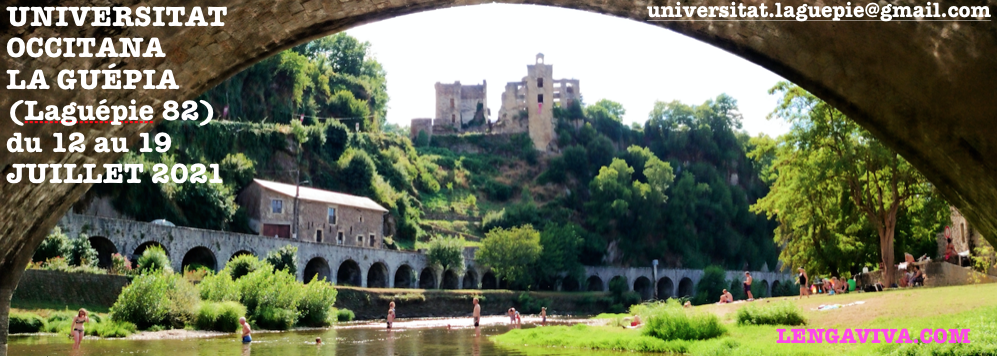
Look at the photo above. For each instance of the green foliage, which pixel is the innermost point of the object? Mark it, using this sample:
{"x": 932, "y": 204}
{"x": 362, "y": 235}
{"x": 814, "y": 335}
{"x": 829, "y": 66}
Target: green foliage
{"x": 316, "y": 304}
{"x": 669, "y": 321}
{"x": 529, "y": 305}
{"x": 423, "y": 139}
{"x": 713, "y": 280}
{"x": 219, "y": 286}
{"x": 242, "y": 265}
{"x": 562, "y": 246}
{"x": 120, "y": 265}
{"x": 778, "y": 313}
{"x": 82, "y": 253}
{"x": 152, "y": 259}
{"x": 284, "y": 258}
{"x": 509, "y": 252}
{"x": 271, "y": 297}
{"x": 219, "y": 316}
{"x": 156, "y": 298}
{"x": 345, "y": 315}
{"x": 56, "y": 244}
{"x": 24, "y": 322}
{"x": 588, "y": 337}
{"x": 446, "y": 252}
{"x": 237, "y": 170}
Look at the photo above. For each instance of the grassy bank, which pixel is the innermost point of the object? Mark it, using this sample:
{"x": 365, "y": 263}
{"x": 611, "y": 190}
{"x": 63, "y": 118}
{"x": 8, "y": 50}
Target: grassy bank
{"x": 971, "y": 306}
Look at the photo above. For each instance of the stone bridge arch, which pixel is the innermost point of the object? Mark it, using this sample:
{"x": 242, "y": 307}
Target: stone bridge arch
{"x": 105, "y": 249}
{"x": 926, "y": 89}
{"x": 317, "y": 267}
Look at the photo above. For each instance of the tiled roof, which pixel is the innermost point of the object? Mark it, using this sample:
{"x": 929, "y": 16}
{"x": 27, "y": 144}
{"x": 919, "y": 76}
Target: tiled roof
{"x": 312, "y": 194}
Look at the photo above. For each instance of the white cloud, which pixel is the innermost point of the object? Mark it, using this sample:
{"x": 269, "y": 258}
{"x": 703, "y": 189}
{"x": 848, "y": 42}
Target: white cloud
{"x": 623, "y": 60}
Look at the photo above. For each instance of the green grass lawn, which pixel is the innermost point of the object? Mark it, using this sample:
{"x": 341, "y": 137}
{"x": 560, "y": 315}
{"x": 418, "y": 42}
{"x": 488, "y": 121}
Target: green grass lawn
{"x": 971, "y": 306}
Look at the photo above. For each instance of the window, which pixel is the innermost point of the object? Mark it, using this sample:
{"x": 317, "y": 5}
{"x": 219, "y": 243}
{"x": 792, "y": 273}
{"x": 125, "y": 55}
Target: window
{"x": 541, "y": 98}
{"x": 371, "y": 240}
{"x": 361, "y": 219}
{"x": 319, "y": 236}
{"x": 569, "y": 90}
{"x": 340, "y": 238}
{"x": 276, "y": 206}
{"x": 361, "y": 240}
{"x": 540, "y": 81}
{"x": 453, "y": 118}
{"x": 331, "y": 215}
{"x": 452, "y": 103}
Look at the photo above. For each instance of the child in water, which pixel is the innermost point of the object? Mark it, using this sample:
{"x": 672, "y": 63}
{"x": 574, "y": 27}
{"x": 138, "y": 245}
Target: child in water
{"x": 391, "y": 315}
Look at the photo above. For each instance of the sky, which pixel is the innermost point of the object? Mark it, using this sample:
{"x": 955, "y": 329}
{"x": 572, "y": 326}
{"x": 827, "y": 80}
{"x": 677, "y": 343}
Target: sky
{"x": 626, "y": 61}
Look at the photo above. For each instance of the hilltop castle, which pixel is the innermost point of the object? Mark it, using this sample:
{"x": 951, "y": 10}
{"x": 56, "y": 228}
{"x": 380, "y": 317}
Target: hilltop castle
{"x": 526, "y": 107}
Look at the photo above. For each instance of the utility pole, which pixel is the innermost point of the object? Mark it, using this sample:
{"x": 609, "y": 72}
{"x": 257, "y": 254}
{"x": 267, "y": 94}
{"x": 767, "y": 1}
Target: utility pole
{"x": 295, "y": 209}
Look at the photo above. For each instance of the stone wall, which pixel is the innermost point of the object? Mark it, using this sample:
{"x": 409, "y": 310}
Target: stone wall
{"x": 70, "y": 289}
{"x": 372, "y": 304}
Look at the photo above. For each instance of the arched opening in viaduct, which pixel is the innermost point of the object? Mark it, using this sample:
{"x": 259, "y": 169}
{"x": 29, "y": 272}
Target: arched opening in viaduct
{"x": 239, "y": 253}
{"x": 449, "y": 279}
{"x": 767, "y": 289}
{"x": 105, "y": 249}
{"x": 594, "y": 283}
{"x": 685, "y": 287}
{"x": 142, "y": 249}
{"x": 570, "y": 283}
{"x": 618, "y": 283}
{"x": 316, "y": 268}
{"x": 199, "y": 256}
{"x": 427, "y": 279}
{"x": 378, "y": 276}
{"x": 664, "y": 288}
{"x": 349, "y": 273}
{"x": 644, "y": 287}
{"x": 469, "y": 281}
{"x": 776, "y": 288}
{"x": 489, "y": 281}
{"x": 403, "y": 278}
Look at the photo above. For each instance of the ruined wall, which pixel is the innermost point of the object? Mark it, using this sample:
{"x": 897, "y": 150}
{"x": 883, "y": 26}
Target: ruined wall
{"x": 422, "y": 124}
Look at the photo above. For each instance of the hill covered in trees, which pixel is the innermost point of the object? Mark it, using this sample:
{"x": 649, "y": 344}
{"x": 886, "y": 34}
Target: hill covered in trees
{"x": 678, "y": 188}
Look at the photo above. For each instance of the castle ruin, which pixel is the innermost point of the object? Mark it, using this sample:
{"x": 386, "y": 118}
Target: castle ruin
{"x": 526, "y": 107}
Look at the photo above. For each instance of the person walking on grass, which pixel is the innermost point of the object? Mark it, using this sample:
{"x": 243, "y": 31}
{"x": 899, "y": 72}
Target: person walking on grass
{"x": 475, "y": 312}
{"x": 803, "y": 281}
{"x": 391, "y": 315}
{"x": 77, "y": 328}
{"x": 746, "y": 285}
{"x": 246, "y": 330}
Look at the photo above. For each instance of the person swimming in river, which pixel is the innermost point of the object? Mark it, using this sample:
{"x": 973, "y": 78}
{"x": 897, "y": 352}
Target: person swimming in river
{"x": 391, "y": 315}
{"x": 77, "y": 329}
{"x": 246, "y": 330}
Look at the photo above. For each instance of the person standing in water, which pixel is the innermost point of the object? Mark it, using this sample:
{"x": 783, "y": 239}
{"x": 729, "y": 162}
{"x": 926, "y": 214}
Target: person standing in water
{"x": 543, "y": 316}
{"x": 246, "y": 330}
{"x": 391, "y": 315}
{"x": 475, "y": 312}
{"x": 77, "y": 328}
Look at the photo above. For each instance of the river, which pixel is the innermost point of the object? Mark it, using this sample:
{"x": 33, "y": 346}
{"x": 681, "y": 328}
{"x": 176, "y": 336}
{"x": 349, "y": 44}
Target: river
{"x": 409, "y": 337}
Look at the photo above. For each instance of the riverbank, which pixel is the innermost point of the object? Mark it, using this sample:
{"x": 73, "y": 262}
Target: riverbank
{"x": 371, "y": 303}
{"x": 957, "y": 307}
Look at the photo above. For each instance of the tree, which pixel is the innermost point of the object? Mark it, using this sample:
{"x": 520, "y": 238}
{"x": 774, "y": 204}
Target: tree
{"x": 82, "y": 254}
{"x": 827, "y": 158}
{"x": 56, "y": 244}
{"x": 284, "y": 258}
{"x": 511, "y": 252}
{"x": 446, "y": 252}
{"x": 561, "y": 249}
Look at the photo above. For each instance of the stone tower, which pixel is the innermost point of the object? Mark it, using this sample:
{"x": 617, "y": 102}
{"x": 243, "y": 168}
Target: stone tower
{"x": 535, "y": 95}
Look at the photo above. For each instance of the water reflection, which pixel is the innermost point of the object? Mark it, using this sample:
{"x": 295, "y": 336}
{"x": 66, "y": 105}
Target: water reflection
{"x": 342, "y": 340}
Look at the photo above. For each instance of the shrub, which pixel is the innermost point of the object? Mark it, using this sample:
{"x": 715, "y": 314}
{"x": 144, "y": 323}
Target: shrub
{"x": 110, "y": 329}
{"x": 669, "y": 321}
{"x": 781, "y": 313}
{"x": 284, "y": 258}
{"x": 317, "y": 299}
{"x": 530, "y": 305}
{"x": 711, "y": 284}
{"x": 82, "y": 253}
{"x": 271, "y": 297}
{"x": 219, "y": 287}
{"x": 242, "y": 265}
{"x": 273, "y": 318}
{"x": 24, "y": 322}
{"x": 155, "y": 298}
{"x": 120, "y": 265}
{"x": 196, "y": 272}
{"x": 56, "y": 244}
{"x": 219, "y": 316}
{"x": 344, "y": 315}
{"x": 61, "y": 323}
{"x": 446, "y": 252}
{"x": 154, "y": 258}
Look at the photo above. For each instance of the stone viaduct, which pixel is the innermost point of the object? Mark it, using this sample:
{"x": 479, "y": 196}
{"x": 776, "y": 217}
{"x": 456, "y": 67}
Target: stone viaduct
{"x": 356, "y": 266}
{"x": 928, "y": 89}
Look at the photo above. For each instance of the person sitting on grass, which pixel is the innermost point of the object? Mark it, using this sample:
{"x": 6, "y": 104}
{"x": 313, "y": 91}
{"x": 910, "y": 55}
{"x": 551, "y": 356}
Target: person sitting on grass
{"x": 918, "y": 277}
{"x": 635, "y": 321}
{"x": 726, "y": 297}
